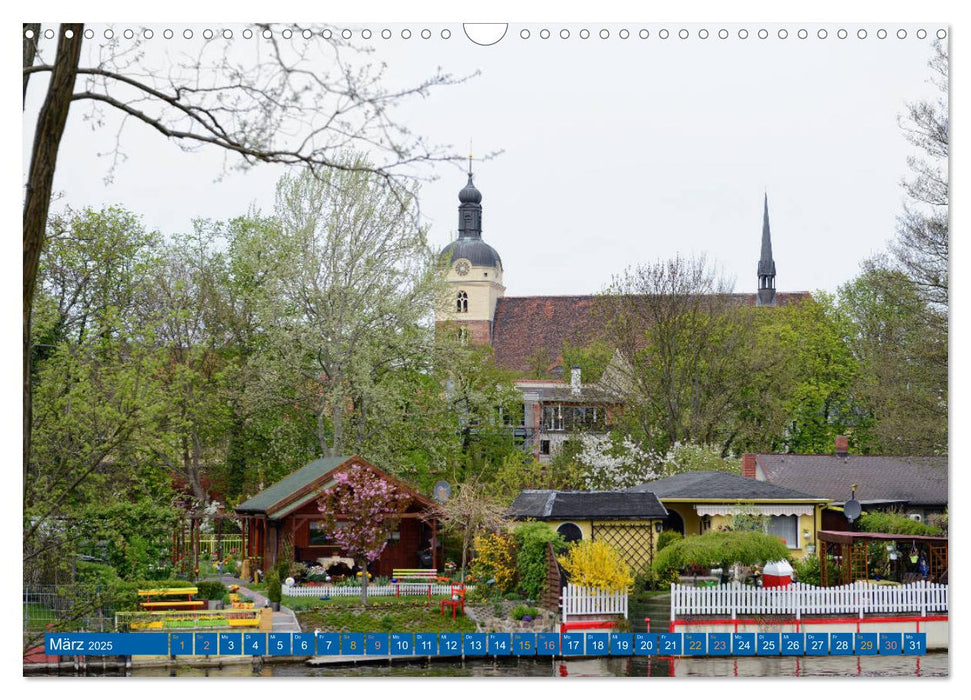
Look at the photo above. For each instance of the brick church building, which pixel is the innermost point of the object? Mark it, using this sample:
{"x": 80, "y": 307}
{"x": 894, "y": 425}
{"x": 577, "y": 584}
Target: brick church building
{"x": 523, "y": 331}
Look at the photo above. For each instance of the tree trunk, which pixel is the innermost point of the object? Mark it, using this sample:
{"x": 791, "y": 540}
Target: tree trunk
{"x": 30, "y": 50}
{"x": 465, "y": 550}
{"x": 363, "y": 565}
{"x": 37, "y": 197}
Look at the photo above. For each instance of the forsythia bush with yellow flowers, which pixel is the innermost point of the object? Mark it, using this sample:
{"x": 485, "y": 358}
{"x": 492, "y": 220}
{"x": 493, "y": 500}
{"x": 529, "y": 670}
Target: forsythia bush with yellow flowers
{"x": 495, "y": 558}
{"x": 597, "y": 565}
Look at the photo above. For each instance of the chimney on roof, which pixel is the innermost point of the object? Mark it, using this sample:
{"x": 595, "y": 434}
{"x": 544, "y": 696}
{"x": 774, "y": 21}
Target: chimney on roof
{"x": 748, "y": 466}
{"x": 575, "y": 379}
{"x": 842, "y": 446}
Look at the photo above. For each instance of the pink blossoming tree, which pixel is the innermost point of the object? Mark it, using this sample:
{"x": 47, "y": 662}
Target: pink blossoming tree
{"x": 360, "y": 512}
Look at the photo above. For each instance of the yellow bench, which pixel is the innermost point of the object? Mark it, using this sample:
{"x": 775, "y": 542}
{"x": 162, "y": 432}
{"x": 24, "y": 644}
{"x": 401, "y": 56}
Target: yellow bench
{"x": 183, "y": 602}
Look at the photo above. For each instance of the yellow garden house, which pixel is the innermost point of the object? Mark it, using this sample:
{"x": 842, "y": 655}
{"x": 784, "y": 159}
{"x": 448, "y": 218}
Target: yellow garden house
{"x": 698, "y": 502}
{"x": 628, "y": 521}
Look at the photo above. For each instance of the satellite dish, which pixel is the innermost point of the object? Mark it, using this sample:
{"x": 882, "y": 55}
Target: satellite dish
{"x": 442, "y": 491}
{"x": 851, "y": 509}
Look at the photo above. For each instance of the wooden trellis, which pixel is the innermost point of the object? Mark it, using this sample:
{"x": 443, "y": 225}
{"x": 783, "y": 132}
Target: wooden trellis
{"x": 634, "y": 542}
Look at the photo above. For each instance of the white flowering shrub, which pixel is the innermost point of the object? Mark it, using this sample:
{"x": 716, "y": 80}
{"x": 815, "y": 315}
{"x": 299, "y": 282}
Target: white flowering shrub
{"x": 608, "y": 463}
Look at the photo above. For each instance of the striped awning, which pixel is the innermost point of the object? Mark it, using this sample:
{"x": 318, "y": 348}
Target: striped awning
{"x": 732, "y": 509}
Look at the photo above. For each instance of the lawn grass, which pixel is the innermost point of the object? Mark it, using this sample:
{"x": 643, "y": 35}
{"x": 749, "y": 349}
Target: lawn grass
{"x": 412, "y": 617}
{"x": 375, "y": 601}
{"x": 36, "y": 615}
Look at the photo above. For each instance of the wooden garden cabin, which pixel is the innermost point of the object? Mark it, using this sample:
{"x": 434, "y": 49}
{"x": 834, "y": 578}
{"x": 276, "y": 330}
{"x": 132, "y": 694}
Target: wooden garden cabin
{"x": 285, "y": 518}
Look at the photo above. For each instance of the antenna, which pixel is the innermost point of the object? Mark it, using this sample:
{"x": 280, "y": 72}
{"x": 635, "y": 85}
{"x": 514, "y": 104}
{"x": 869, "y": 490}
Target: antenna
{"x": 470, "y": 157}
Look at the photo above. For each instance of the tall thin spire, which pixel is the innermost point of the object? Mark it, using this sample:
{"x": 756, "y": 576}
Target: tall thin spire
{"x": 766, "y": 267}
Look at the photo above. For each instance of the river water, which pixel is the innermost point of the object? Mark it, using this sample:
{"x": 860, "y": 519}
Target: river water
{"x": 931, "y": 665}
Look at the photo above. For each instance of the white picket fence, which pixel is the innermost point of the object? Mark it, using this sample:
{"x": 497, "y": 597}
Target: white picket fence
{"x": 409, "y": 589}
{"x": 919, "y": 597}
{"x": 580, "y": 600}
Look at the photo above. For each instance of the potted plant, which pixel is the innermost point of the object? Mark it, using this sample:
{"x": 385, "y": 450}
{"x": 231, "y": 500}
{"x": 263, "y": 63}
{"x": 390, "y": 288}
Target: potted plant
{"x": 213, "y": 591}
{"x": 274, "y": 589}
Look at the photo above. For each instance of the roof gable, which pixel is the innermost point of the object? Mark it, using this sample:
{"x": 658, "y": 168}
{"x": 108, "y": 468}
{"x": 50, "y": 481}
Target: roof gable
{"x": 721, "y": 485}
{"x": 587, "y": 505}
{"x": 281, "y": 498}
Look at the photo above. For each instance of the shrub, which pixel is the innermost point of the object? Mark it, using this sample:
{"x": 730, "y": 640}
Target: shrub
{"x": 597, "y": 565}
{"x": 667, "y": 537}
{"x": 532, "y": 540}
{"x": 298, "y": 570}
{"x": 95, "y": 573}
{"x": 895, "y": 523}
{"x": 807, "y": 569}
{"x": 938, "y": 520}
{"x": 274, "y": 588}
{"x": 495, "y": 560}
{"x": 722, "y": 549}
{"x": 229, "y": 566}
{"x": 652, "y": 580}
{"x": 521, "y": 611}
{"x": 211, "y": 590}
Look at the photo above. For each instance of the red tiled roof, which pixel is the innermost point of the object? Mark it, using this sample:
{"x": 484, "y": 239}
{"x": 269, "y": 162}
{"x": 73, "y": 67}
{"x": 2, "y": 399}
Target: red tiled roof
{"x": 528, "y": 327}
{"x": 525, "y": 328}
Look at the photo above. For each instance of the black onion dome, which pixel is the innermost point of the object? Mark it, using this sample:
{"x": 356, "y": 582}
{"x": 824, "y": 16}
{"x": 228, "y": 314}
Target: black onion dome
{"x": 469, "y": 194}
{"x": 475, "y": 250}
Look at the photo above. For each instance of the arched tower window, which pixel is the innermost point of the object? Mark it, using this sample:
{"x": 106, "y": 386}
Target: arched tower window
{"x": 462, "y": 303}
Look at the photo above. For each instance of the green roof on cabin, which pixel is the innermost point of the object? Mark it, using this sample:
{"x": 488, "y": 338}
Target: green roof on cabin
{"x": 299, "y": 480}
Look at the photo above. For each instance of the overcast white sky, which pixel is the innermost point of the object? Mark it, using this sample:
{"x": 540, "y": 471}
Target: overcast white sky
{"x": 614, "y": 151}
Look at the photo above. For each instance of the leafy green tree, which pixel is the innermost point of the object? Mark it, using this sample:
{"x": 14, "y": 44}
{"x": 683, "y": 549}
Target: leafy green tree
{"x": 344, "y": 271}
{"x": 134, "y": 537}
{"x": 519, "y": 471}
{"x": 185, "y": 302}
{"x": 99, "y": 398}
{"x": 533, "y": 539}
{"x": 689, "y": 457}
{"x": 900, "y": 343}
{"x": 817, "y": 373}
{"x": 592, "y": 359}
{"x": 721, "y": 549}
{"x": 690, "y": 367}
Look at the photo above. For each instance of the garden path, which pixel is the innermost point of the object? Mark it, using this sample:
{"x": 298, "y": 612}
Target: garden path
{"x": 283, "y": 621}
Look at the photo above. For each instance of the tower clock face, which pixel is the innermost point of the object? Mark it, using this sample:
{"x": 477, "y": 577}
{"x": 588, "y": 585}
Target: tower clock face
{"x": 462, "y": 267}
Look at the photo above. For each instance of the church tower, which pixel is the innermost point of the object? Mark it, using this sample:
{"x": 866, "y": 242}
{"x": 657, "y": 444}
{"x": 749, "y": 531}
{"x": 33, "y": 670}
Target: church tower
{"x": 474, "y": 272}
{"x": 766, "y": 268}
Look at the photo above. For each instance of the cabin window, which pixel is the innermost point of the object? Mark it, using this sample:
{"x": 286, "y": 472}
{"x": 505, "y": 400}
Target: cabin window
{"x": 574, "y": 417}
{"x": 553, "y": 417}
{"x": 570, "y": 532}
{"x": 318, "y": 535}
{"x": 462, "y": 303}
{"x": 786, "y": 527}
